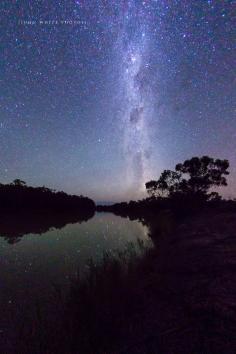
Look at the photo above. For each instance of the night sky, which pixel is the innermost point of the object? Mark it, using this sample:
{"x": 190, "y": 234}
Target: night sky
{"x": 109, "y": 93}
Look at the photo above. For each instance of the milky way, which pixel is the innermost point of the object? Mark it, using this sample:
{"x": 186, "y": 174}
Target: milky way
{"x": 136, "y": 110}
{"x": 97, "y": 97}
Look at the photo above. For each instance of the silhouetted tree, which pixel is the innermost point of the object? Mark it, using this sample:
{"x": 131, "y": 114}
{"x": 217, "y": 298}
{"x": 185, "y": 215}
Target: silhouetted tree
{"x": 193, "y": 177}
{"x": 166, "y": 184}
{"x": 18, "y": 182}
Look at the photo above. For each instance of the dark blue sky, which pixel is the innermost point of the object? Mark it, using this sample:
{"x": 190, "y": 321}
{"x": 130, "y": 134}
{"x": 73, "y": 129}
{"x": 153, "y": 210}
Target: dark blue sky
{"x": 112, "y": 93}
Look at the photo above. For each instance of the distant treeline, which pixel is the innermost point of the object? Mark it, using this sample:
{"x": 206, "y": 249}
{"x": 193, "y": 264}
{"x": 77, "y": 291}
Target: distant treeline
{"x": 136, "y": 209}
{"x": 190, "y": 187}
{"x": 18, "y": 196}
{"x": 150, "y": 207}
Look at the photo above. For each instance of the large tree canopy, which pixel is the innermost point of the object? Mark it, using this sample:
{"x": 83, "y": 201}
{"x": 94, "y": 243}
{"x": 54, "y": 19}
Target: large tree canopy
{"x": 194, "y": 176}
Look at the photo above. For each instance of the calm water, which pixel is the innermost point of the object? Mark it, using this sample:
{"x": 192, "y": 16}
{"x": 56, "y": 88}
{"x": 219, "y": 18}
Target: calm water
{"x": 31, "y": 267}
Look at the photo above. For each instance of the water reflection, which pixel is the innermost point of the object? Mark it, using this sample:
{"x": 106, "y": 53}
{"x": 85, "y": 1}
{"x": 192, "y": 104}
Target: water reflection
{"x": 50, "y": 251}
{"x": 14, "y": 226}
{"x": 42, "y": 259}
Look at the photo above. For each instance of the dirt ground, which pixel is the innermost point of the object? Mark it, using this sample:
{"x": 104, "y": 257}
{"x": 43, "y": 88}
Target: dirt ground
{"x": 191, "y": 306}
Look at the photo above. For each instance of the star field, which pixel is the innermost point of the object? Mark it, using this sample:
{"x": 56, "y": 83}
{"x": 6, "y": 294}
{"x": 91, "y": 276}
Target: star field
{"x": 97, "y": 97}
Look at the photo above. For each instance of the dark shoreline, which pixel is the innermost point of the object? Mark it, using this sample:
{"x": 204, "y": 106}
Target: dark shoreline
{"x": 177, "y": 297}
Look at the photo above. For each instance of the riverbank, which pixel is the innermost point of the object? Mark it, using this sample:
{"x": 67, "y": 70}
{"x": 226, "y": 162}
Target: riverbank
{"x": 195, "y": 293}
{"x": 179, "y": 297}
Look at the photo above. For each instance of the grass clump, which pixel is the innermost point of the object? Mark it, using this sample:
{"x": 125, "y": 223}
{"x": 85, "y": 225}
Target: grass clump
{"x": 104, "y": 304}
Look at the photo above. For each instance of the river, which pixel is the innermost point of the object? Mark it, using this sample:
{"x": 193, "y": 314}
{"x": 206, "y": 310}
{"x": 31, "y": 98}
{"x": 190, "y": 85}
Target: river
{"x": 33, "y": 265}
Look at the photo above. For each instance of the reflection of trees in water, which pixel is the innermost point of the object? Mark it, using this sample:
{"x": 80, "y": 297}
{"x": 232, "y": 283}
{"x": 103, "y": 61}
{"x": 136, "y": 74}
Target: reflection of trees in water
{"x": 13, "y": 226}
{"x": 26, "y": 209}
{"x": 151, "y": 213}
